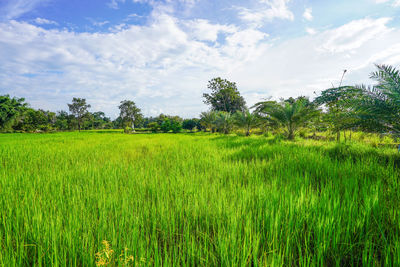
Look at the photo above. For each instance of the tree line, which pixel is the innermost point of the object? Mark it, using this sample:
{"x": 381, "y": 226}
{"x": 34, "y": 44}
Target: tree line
{"x": 338, "y": 110}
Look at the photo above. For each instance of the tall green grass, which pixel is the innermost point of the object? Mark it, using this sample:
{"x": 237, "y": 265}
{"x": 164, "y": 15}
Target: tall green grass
{"x": 196, "y": 200}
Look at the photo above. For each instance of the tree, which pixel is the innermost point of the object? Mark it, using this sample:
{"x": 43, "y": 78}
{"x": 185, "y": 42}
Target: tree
{"x": 224, "y": 122}
{"x": 292, "y": 114}
{"x": 224, "y": 96}
{"x": 165, "y": 126}
{"x": 79, "y": 109}
{"x": 190, "y": 124}
{"x": 129, "y": 113}
{"x": 378, "y": 109}
{"x": 339, "y": 113}
{"x": 62, "y": 120}
{"x": 154, "y": 126}
{"x": 247, "y": 120}
{"x": 170, "y": 123}
{"x": 207, "y": 120}
{"x": 34, "y": 120}
{"x": 10, "y": 110}
{"x": 99, "y": 120}
{"x": 175, "y": 125}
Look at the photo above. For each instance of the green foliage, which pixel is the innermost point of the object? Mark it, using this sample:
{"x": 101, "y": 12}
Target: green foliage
{"x": 79, "y": 108}
{"x": 154, "y": 126}
{"x": 175, "y": 125}
{"x": 247, "y": 120}
{"x": 207, "y": 120}
{"x": 191, "y": 124}
{"x": 129, "y": 113}
{"x": 128, "y": 130}
{"x": 224, "y": 122}
{"x": 11, "y": 109}
{"x": 224, "y": 96}
{"x": 165, "y": 126}
{"x": 379, "y": 107}
{"x": 340, "y": 113}
{"x": 292, "y": 114}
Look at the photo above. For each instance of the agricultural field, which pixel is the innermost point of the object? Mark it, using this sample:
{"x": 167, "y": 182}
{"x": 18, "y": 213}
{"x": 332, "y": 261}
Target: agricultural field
{"x": 112, "y": 199}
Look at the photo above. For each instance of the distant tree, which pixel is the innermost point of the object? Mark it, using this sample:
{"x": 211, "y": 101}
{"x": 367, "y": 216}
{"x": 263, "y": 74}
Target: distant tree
{"x": 34, "y": 120}
{"x": 10, "y": 110}
{"x": 79, "y": 108}
{"x": 175, "y": 124}
{"x": 165, "y": 126}
{"x": 63, "y": 121}
{"x": 99, "y": 120}
{"x": 207, "y": 120}
{"x": 154, "y": 126}
{"x": 129, "y": 113}
{"x": 224, "y": 122}
{"x": 339, "y": 111}
{"x": 291, "y": 114}
{"x": 247, "y": 120}
{"x": 189, "y": 124}
{"x": 224, "y": 96}
{"x": 171, "y": 123}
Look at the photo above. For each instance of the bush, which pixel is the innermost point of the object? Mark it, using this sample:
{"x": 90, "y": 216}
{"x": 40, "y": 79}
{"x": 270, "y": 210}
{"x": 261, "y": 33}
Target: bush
{"x": 128, "y": 130}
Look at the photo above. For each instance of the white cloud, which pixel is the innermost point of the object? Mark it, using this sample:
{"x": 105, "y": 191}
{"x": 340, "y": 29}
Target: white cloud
{"x": 114, "y": 4}
{"x": 42, "y": 21}
{"x": 354, "y": 34}
{"x": 164, "y": 65}
{"x": 308, "y": 14}
{"x": 203, "y": 30}
{"x": 15, "y": 8}
{"x": 266, "y": 11}
{"x": 394, "y": 3}
{"x": 311, "y": 31}
{"x": 100, "y": 23}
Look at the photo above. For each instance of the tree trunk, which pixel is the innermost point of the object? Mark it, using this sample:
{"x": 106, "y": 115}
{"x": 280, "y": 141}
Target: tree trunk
{"x": 338, "y": 136}
{"x": 133, "y": 126}
{"x": 290, "y": 133}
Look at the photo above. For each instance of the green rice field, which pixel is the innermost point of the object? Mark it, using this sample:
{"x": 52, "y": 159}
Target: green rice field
{"x": 112, "y": 199}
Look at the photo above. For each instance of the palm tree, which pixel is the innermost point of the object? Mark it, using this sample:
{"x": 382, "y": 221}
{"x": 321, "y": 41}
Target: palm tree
{"x": 207, "y": 120}
{"x": 224, "y": 122}
{"x": 379, "y": 107}
{"x": 246, "y": 119}
{"x": 292, "y": 114}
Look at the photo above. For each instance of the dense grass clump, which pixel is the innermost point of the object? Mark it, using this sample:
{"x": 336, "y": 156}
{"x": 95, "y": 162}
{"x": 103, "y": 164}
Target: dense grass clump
{"x": 198, "y": 200}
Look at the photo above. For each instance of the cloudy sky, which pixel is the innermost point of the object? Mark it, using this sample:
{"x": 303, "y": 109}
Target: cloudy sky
{"x": 161, "y": 53}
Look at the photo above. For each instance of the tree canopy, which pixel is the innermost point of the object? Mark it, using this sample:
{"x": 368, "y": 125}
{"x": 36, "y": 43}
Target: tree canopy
{"x": 224, "y": 96}
{"x": 291, "y": 114}
{"x": 10, "y": 110}
{"x": 79, "y": 108}
{"x": 379, "y": 106}
{"x": 130, "y": 113}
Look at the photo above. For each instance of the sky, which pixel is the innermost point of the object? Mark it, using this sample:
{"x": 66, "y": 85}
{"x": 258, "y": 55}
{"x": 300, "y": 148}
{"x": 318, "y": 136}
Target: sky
{"x": 162, "y": 53}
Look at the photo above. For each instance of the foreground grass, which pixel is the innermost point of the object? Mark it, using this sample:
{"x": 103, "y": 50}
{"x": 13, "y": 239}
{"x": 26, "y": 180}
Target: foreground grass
{"x": 196, "y": 200}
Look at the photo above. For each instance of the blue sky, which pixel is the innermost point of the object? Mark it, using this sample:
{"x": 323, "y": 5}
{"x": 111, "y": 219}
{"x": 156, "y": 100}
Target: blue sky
{"x": 162, "y": 53}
